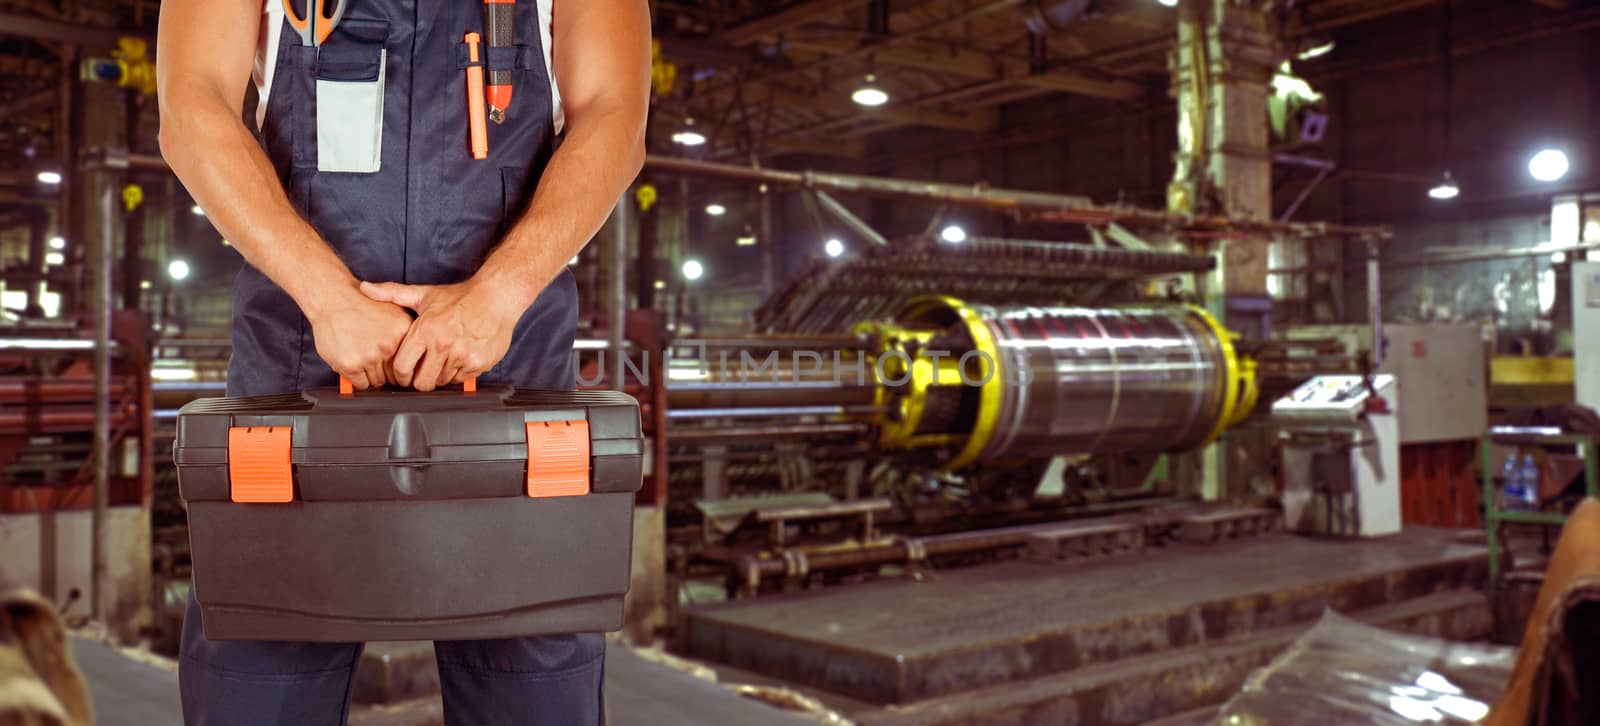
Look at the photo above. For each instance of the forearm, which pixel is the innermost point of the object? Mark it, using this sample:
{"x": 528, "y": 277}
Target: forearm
{"x": 226, "y": 171}
{"x": 594, "y": 166}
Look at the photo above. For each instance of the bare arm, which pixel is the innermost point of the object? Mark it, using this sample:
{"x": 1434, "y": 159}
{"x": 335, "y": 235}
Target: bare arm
{"x": 601, "y": 54}
{"x": 207, "y": 47}
{"x": 601, "y": 58}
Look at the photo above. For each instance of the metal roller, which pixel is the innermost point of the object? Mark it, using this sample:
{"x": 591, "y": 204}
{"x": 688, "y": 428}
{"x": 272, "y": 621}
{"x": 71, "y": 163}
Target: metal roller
{"x": 1109, "y": 380}
{"x": 966, "y": 384}
{"x": 1064, "y": 380}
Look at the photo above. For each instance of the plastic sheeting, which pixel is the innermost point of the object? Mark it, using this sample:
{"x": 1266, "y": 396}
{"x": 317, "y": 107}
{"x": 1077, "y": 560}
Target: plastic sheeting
{"x": 1344, "y": 671}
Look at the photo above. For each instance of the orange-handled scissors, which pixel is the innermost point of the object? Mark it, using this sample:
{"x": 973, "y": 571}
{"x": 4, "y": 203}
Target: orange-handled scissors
{"x": 320, "y": 19}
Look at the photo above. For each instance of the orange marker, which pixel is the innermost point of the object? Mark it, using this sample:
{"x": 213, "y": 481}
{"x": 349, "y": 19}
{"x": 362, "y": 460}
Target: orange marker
{"x": 475, "y": 120}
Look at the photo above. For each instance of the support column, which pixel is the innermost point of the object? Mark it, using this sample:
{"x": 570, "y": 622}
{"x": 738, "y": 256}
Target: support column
{"x": 1221, "y": 67}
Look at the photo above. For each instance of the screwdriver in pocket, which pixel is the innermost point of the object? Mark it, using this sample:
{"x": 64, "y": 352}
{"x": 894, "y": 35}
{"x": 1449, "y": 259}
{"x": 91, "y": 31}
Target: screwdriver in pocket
{"x": 499, "y": 17}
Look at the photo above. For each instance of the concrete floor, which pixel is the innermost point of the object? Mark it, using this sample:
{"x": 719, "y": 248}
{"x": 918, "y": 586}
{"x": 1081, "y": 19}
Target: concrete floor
{"x": 130, "y": 693}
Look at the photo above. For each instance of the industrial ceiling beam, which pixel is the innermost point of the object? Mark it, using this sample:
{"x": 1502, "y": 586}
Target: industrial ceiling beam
{"x": 971, "y": 63}
{"x": 831, "y": 105}
{"x": 37, "y": 28}
{"x": 790, "y": 16}
{"x": 842, "y": 149}
{"x": 27, "y": 104}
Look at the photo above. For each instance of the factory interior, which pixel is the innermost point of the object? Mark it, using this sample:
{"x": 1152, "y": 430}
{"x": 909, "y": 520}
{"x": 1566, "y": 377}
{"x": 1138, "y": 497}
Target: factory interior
{"x": 996, "y": 362}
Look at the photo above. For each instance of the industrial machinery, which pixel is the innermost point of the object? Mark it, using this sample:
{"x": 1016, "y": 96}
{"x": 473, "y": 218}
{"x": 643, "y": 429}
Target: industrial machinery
{"x": 936, "y": 391}
{"x": 954, "y": 384}
{"x": 1341, "y": 456}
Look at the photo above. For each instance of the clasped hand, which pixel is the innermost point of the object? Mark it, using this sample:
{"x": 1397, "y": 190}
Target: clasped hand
{"x": 459, "y": 332}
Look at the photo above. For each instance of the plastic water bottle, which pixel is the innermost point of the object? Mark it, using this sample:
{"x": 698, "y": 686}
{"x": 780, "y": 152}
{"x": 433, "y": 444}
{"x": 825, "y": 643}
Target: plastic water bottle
{"x": 1512, "y": 497}
{"x": 1530, "y": 483}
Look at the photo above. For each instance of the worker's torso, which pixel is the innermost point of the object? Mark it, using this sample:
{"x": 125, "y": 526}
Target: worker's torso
{"x": 369, "y": 136}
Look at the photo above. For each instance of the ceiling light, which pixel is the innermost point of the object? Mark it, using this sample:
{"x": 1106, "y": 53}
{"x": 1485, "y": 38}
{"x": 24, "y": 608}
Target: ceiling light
{"x": 661, "y": 284}
{"x": 692, "y": 270}
{"x": 1316, "y": 51}
{"x": 870, "y": 94}
{"x": 745, "y": 240}
{"x": 688, "y": 135}
{"x": 716, "y": 210}
{"x": 145, "y": 285}
{"x": 1548, "y": 165}
{"x": 50, "y": 177}
{"x": 953, "y": 234}
{"x": 1445, "y": 189}
{"x": 1169, "y": 3}
{"x": 55, "y": 258}
{"x": 58, "y": 243}
{"x": 178, "y": 269}
{"x": 833, "y": 247}
{"x": 197, "y": 211}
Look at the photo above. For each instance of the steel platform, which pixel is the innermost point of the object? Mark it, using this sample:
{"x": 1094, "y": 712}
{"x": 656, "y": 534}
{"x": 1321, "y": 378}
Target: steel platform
{"x": 1095, "y": 640}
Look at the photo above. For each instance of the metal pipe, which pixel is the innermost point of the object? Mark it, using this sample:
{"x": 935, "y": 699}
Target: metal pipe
{"x": 194, "y": 343}
{"x": 771, "y": 411}
{"x": 683, "y": 435}
{"x": 1375, "y": 308}
{"x": 816, "y": 343}
{"x": 51, "y": 345}
{"x": 1038, "y": 205}
{"x": 100, "y": 262}
{"x": 55, "y": 420}
{"x": 955, "y": 193}
{"x": 617, "y": 297}
{"x": 17, "y": 390}
{"x": 36, "y": 254}
{"x": 856, "y": 224}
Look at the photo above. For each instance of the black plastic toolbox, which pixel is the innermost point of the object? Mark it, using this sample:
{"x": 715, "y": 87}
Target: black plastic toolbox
{"x": 399, "y": 515}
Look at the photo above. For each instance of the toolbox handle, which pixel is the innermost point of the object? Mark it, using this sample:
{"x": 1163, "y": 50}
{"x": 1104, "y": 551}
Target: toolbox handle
{"x": 347, "y": 389}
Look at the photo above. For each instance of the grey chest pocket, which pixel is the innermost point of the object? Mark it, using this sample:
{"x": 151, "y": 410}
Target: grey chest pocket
{"x": 350, "y": 75}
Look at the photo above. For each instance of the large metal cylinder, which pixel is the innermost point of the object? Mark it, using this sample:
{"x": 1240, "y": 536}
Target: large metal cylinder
{"x": 1091, "y": 380}
{"x": 1108, "y": 380}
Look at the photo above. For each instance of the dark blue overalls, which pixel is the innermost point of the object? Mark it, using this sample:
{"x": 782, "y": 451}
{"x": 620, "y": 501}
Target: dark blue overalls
{"x": 370, "y": 140}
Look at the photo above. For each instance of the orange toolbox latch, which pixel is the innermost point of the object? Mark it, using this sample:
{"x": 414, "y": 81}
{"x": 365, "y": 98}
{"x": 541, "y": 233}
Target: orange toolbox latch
{"x": 558, "y": 458}
{"x": 259, "y": 471}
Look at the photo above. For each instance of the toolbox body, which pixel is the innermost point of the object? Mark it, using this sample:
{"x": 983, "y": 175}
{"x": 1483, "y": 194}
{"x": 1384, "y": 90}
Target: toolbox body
{"x": 399, "y": 515}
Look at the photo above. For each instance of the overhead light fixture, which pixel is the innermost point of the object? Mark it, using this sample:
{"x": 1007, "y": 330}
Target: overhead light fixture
{"x": 58, "y": 243}
{"x": 693, "y": 270}
{"x": 870, "y": 94}
{"x": 688, "y": 135}
{"x": 1169, "y": 3}
{"x": 197, "y": 211}
{"x": 661, "y": 284}
{"x": 178, "y": 269}
{"x": 1315, "y": 51}
{"x": 145, "y": 285}
{"x": 55, "y": 258}
{"x": 1445, "y": 189}
{"x": 716, "y": 210}
{"x": 833, "y": 247}
{"x": 49, "y": 177}
{"x": 1549, "y": 165}
{"x": 745, "y": 240}
{"x": 953, "y": 234}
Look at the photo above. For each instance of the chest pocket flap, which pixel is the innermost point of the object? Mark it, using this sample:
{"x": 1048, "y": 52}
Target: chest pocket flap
{"x": 350, "y": 84}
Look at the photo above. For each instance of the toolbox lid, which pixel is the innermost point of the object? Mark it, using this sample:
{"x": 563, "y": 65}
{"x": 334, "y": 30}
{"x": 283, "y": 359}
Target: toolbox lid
{"x": 386, "y": 444}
